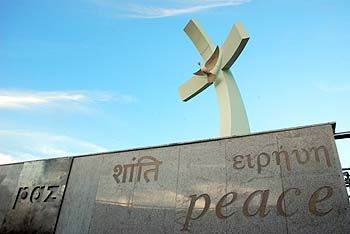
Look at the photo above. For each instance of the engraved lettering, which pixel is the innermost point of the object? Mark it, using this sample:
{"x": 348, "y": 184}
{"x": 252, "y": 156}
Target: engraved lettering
{"x": 256, "y": 204}
{"x": 263, "y": 159}
{"x": 298, "y": 156}
{"x": 21, "y": 194}
{"x": 259, "y": 161}
{"x": 24, "y": 195}
{"x": 36, "y": 193}
{"x": 236, "y": 161}
{"x": 278, "y": 157}
{"x": 118, "y": 169}
{"x": 315, "y": 198}
{"x": 128, "y": 170}
{"x": 194, "y": 199}
{"x": 222, "y": 204}
{"x": 180, "y": 215}
{"x": 249, "y": 160}
{"x": 51, "y": 190}
{"x": 323, "y": 149}
{"x": 264, "y": 195}
{"x": 154, "y": 162}
{"x": 131, "y": 174}
{"x": 280, "y": 202}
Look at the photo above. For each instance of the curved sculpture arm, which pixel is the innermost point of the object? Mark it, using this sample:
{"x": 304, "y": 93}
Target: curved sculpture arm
{"x": 233, "y": 117}
{"x": 192, "y": 87}
{"x": 234, "y": 45}
{"x": 200, "y": 39}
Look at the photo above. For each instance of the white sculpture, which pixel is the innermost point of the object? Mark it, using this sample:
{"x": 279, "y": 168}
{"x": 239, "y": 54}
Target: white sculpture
{"x": 216, "y": 71}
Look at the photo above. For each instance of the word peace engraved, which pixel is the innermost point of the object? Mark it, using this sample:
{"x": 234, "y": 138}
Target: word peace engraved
{"x": 37, "y": 194}
{"x": 145, "y": 161}
{"x": 258, "y": 204}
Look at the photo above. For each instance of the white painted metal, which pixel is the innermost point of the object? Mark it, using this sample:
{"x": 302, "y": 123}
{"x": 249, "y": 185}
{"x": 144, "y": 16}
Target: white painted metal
{"x": 233, "y": 117}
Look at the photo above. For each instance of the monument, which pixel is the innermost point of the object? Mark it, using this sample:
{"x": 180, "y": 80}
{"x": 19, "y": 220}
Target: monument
{"x": 233, "y": 117}
{"x": 281, "y": 181}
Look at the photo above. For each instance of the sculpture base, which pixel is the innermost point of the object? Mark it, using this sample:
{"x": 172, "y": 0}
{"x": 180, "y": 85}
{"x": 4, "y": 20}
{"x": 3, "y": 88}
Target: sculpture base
{"x": 272, "y": 182}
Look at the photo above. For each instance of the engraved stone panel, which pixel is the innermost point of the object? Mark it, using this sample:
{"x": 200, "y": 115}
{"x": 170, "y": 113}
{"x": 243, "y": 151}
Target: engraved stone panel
{"x": 252, "y": 173}
{"x": 36, "y": 203}
{"x": 201, "y": 182}
{"x": 318, "y": 196}
{"x": 137, "y": 190}
{"x": 154, "y": 200}
{"x": 114, "y": 194}
{"x": 309, "y": 151}
{"x": 286, "y": 181}
{"x": 316, "y": 205}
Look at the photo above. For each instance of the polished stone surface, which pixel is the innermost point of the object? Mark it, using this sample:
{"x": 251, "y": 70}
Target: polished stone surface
{"x": 9, "y": 176}
{"x": 36, "y": 203}
{"x": 286, "y": 181}
{"x": 79, "y": 199}
{"x": 249, "y": 168}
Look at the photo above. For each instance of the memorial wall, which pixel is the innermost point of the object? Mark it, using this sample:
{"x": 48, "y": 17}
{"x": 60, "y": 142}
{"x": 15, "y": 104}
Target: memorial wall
{"x": 284, "y": 181}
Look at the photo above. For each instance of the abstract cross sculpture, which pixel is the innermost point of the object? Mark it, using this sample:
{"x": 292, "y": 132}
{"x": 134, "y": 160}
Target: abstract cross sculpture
{"x": 233, "y": 116}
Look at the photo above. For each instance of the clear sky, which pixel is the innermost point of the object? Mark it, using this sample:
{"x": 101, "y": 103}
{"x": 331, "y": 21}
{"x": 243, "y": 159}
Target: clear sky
{"x": 98, "y": 75}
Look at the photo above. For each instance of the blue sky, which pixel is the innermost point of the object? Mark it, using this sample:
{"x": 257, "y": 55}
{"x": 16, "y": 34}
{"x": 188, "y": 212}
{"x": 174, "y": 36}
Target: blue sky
{"x": 97, "y": 75}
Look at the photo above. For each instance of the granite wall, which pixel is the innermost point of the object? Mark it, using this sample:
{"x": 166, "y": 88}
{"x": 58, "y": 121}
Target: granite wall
{"x": 285, "y": 181}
